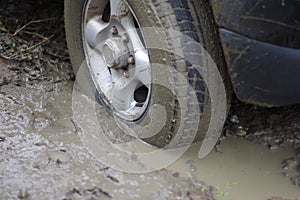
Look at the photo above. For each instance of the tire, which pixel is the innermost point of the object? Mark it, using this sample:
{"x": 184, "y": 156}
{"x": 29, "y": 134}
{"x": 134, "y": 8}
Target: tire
{"x": 178, "y": 15}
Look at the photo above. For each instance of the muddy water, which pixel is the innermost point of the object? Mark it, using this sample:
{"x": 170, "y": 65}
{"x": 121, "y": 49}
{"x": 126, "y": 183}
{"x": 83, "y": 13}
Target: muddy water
{"x": 243, "y": 170}
{"x": 42, "y": 156}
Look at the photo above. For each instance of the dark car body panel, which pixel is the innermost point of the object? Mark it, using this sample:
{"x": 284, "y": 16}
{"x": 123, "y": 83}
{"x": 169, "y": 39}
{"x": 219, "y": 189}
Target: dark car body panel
{"x": 272, "y": 21}
{"x": 261, "y": 72}
{"x": 261, "y": 42}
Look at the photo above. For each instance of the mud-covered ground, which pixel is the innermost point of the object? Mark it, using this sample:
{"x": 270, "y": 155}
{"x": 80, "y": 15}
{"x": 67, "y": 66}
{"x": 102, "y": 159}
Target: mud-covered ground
{"x": 274, "y": 128}
{"x": 42, "y": 157}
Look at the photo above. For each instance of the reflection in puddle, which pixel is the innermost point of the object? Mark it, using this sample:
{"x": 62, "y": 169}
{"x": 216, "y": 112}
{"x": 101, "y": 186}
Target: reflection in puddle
{"x": 243, "y": 170}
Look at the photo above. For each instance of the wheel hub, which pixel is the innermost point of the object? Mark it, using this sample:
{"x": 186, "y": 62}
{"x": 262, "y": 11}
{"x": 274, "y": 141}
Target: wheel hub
{"x": 117, "y": 58}
{"x": 115, "y": 53}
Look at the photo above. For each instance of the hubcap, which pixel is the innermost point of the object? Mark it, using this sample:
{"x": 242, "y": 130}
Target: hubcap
{"x": 115, "y": 53}
{"x": 117, "y": 57}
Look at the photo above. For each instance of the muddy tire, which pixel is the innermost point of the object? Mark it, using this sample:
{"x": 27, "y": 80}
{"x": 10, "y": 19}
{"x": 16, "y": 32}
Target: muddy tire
{"x": 181, "y": 54}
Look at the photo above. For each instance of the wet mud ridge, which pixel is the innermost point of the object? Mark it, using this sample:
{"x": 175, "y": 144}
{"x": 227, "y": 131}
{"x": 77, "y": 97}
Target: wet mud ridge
{"x": 41, "y": 155}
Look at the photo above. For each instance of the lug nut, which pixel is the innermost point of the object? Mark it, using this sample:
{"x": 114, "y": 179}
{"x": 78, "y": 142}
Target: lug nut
{"x": 114, "y": 30}
{"x": 125, "y": 38}
{"x": 126, "y": 73}
{"x": 131, "y": 60}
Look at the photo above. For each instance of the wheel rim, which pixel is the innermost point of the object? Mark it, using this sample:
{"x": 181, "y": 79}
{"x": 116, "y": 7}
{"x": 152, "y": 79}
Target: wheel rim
{"x": 116, "y": 57}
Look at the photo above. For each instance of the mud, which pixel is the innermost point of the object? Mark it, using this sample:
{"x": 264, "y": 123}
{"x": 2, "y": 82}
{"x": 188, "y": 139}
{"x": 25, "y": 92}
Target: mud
{"x": 244, "y": 170}
{"x": 42, "y": 156}
{"x": 272, "y": 127}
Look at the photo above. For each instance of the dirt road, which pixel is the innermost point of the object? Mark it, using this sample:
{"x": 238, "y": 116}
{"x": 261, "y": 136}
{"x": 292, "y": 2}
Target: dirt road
{"x": 42, "y": 156}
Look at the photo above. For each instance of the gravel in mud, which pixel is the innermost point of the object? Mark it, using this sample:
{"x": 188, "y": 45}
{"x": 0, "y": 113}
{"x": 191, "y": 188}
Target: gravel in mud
{"x": 41, "y": 155}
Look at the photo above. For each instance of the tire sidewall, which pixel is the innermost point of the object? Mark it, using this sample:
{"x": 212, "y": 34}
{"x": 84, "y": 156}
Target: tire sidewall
{"x": 74, "y": 10}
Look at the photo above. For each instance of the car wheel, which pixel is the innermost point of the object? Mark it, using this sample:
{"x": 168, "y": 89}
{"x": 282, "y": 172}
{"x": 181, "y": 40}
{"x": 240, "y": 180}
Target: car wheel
{"x": 119, "y": 71}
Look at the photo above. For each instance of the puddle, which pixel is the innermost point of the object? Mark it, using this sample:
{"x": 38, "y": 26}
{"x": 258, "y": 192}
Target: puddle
{"x": 42, "y": 157}
{"x": 244, "y": 170}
